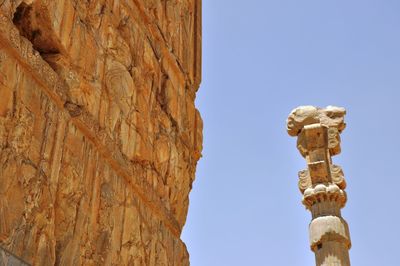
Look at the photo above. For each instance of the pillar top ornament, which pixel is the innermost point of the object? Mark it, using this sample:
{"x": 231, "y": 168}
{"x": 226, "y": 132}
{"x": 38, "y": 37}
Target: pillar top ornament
{"x": 322, "y": 183}
{"x": 317, "y": 128}
{"x": 330, "y": 116}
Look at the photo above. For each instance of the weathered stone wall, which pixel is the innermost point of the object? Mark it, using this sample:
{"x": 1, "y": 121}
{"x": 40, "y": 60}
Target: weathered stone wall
{"x": 99, "y": 135}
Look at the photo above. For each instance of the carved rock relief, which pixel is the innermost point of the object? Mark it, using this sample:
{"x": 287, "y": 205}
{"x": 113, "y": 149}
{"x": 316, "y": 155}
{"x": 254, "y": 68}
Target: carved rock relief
{"x": 99, "y": 135}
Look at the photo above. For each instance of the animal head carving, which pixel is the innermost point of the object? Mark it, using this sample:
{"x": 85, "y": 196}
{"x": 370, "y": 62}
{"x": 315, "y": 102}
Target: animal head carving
{"x": 331, "y": 116}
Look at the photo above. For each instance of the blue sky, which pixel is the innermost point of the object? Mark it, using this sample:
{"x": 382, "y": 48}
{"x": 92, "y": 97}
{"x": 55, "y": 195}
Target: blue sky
{"x": 261, "y": 59}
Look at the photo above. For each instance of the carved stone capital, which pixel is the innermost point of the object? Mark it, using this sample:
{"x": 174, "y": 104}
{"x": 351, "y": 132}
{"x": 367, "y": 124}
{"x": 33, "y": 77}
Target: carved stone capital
{"x": 331, "y": 116}
{"x": 336, "y": 177}
{"x": 317, "y": 128}
{"x": 322, "y": 193}
{"x": 322, "y": 183}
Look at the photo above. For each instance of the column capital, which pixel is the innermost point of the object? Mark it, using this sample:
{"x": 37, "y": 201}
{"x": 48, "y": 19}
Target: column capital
{"x": 330, "y": 116}
{"x": 322, "y": 183}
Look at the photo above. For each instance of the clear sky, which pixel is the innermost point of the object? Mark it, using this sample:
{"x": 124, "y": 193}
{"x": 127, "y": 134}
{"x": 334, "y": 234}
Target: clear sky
{"x": 261, "y": 59}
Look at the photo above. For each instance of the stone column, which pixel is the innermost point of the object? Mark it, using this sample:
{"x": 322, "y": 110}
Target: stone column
{"x": 322, "y": 183}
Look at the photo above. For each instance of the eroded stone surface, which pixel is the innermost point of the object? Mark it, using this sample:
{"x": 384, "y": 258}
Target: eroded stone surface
{"x": 331, "y": 116}
{"x": 322, "y": 183}
{"x": 8, "y": 259}
{"x": 99, "y": 135}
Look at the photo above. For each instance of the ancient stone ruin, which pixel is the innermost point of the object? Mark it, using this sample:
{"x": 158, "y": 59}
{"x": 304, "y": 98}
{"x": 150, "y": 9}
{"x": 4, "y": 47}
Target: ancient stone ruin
{"x": 99, "y": 134}
{"x": 322, "y": 183}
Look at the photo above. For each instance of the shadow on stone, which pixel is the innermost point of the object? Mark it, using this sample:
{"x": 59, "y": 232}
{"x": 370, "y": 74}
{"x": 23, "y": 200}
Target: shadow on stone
{"x": 9, "y": 259}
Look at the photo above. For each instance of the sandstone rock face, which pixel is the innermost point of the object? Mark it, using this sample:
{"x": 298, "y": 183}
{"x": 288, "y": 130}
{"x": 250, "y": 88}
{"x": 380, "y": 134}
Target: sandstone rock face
{"x": 99, "y": 135}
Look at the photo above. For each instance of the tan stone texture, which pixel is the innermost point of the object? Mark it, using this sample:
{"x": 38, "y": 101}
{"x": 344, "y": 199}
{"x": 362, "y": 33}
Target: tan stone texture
{"x": 322, "y": 183}
{"x": 99, "y": 134}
